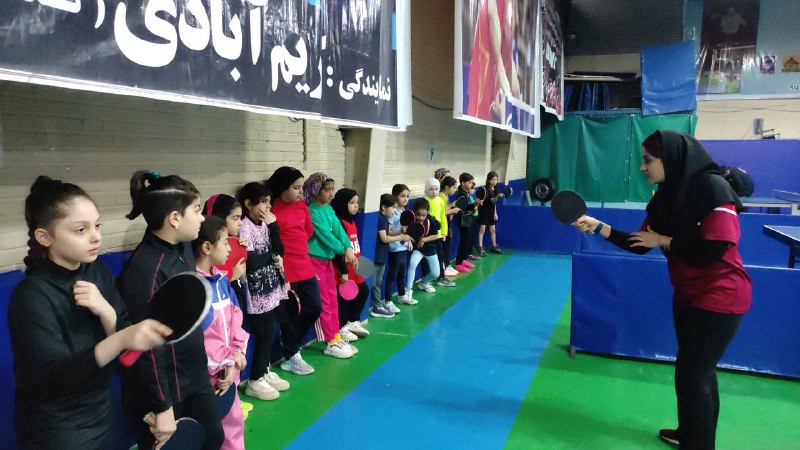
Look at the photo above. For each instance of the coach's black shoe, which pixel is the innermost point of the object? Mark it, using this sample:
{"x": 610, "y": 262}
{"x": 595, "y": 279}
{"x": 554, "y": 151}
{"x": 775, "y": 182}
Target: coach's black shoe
{"x": 669, "y": 435}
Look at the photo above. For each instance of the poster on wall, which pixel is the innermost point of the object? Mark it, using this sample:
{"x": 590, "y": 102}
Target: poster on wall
{"x": 552, "y": 60}
{"x": 747, "y": 48}
{"x": 496, "y": 64}
{"x": 335, "y": 60}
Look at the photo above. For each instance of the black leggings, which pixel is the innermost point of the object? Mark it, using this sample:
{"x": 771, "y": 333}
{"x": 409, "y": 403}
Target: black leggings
{"x": 398, "y": 264}
{"x": 201, "y": 407}
{"x": 350, "y": 310}
{"x": 262, "y": 326}
{"x": 298, "y": 324}
{"x": 464, "y": 244}
{"x": 703, "y": 337}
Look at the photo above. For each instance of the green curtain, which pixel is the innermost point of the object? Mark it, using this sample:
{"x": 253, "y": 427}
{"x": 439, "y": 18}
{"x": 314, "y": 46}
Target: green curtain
{"x": 598, "y": 157}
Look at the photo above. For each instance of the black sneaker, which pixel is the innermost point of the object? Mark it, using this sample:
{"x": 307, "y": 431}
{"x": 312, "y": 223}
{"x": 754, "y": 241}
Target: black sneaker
{"x": 481, "y": 252}
{"x": 496, "y": 250}
{"x": 669, "y": 435}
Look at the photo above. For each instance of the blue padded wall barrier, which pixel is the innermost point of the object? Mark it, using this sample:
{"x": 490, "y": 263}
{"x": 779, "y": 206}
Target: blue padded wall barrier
{"x": 622, "y": 306}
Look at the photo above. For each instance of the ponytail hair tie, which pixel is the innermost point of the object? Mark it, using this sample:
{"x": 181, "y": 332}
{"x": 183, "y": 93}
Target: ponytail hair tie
{"x": 154, "y": 174}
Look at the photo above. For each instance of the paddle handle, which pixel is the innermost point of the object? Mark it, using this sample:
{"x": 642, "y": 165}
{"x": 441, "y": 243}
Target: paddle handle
{"x": 128, "y": 357}
{"x": 589, "y": 233}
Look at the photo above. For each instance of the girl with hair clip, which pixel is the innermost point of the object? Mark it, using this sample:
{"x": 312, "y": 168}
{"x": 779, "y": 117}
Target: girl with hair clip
{"x": 66, "y": 323}
{"x": 169, "y": 381}
{"x": 345, "y": 205}
{"x": 296, "y": 228}
{"x": 693, "y": 219}
{"x": 487, "y": 213}
{"x": 328, "y": 241}
{"x": 266, "y": 289}
{"x": 225, "y": 339}
{"x": 425, "y": 249}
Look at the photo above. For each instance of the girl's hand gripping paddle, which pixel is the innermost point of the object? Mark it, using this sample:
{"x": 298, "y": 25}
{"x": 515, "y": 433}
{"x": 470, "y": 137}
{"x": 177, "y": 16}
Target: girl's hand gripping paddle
{"x": 348, "y": 290}
{"x": 180, "y": 303}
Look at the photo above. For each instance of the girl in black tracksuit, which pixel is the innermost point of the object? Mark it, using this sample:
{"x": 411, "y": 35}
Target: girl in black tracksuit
{"x": 67, "y": 322}
{"x": 170, "y": 381}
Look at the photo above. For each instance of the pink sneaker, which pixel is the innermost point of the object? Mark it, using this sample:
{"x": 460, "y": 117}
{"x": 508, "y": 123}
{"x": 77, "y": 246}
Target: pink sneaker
{"x": 468, "y": 264}
{"x": 462, "y": 268}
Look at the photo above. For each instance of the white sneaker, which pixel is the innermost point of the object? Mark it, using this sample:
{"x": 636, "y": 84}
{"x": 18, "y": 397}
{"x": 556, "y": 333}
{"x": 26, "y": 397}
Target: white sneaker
{"x": 348, "y": 335}
{"x": 261, "y": 389}
{"x": 357, "y": 329}
{"x": 406, "y": 299}
{"x": 352, "y": 347}
{"x": 277, "y": 382}
{"x": 392, "y": 307}
{"x": 427, "y": 288}
{"x": 297, "y": 366}
{"x": 450, "y": 272}
{"x": 339, "y": 349}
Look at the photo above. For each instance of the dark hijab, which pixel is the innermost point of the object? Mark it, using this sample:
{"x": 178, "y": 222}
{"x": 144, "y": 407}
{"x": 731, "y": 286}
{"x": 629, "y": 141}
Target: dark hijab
{"x": 692, "y": 188}
{"x": 282, "y": 179}
{"x": 340, "y": 201}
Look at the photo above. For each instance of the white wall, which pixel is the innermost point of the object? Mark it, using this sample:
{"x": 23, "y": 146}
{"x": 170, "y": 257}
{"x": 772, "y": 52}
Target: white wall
{"x": 98, "y": 140}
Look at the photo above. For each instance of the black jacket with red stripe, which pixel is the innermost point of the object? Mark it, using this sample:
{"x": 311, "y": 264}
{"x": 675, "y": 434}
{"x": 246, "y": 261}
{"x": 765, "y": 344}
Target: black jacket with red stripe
{"x": 167, "y": 374}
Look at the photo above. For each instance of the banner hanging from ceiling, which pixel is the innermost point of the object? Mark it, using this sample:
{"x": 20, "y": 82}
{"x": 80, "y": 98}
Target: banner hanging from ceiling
{"x": 552, "y": 60}
{"x": 335, "y": 60}
{"x": 497, "y": 75}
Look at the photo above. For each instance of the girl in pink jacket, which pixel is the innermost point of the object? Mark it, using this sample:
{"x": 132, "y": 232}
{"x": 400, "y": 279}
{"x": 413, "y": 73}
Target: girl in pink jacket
{"x": 225, "y": 339}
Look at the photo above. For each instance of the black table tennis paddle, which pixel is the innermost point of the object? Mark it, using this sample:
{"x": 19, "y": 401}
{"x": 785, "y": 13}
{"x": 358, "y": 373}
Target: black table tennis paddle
{"x": 568, "y": 206}
{"x": 180, "y": 303}
{"x": 481, "y": 193}
{"x": 365, "y": 267}
{"x": 407, "y": 217}
{"x": 188, "y": 435}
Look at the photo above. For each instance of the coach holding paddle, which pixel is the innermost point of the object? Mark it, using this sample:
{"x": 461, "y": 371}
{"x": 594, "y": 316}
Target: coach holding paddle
{"x": 693, "y": 219}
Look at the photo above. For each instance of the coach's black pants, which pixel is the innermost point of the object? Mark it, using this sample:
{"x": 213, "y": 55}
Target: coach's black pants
{"x": 702, "y": 338}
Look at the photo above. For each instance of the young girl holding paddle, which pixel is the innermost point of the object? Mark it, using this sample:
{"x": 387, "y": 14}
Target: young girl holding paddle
{"x": 345, "y": 205}
{"x": 265, "y": 297}
{"x": 693, "y": 219}
{"x": 67, "y": 323}
{"x": 225, "y": 339}
{"x": 170, "y": 381}
{"x": 328, "y": 241}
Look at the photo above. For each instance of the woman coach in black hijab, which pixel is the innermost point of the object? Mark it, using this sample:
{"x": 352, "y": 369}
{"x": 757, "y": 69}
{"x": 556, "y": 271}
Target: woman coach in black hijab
{"x": 693, "y": 219}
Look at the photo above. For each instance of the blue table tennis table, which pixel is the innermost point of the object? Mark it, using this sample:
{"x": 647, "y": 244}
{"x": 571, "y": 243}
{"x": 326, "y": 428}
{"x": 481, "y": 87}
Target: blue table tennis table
{"x": 779, "y": 199}
{"x": 789, "y": 236}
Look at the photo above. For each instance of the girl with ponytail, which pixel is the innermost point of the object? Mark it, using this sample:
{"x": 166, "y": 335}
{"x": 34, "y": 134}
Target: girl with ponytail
{"x": 67, "y": 323}
{"x": 170, "y": 381}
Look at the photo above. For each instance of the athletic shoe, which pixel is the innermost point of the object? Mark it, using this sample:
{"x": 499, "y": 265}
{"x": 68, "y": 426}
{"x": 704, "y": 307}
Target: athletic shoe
{"x": 450, "y": 272}
{"x": 276, "y": 382}
{"x": 462, "y": 268}
{"x": 338, "y": 349}
{"x": 446, "y": 282}
{"x": 669, "y": 435}
{"x": 481, "y": 251}
{"x": 468, "y": 264}
{"x": 246, "y": 408}
{"x": 474, "y": 258}
{"x": 348, "y": 335}
{"x": 427, "y": 288}
{"x": 406, "y": 299}
{"x": 261, "y": 389}
{"x": 297, "y": 366}
{"x": 381, "y": 311}
{"x": 357, "y": 329}
{"x": 352, "y": 347}
{"x": 496, "y": 250}
{"x": 392, "y": 308}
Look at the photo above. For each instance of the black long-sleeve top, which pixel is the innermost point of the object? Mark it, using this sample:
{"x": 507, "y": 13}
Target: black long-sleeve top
{"x": 63, "y": 399}
{"x": 167, "y": 374}
{"x": 692, "y": 249}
